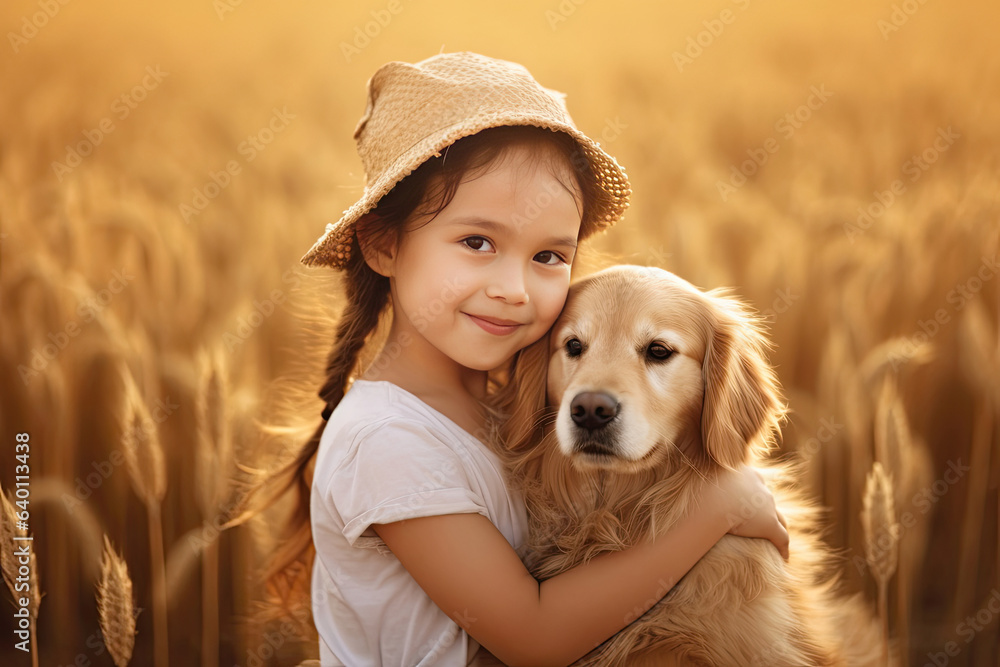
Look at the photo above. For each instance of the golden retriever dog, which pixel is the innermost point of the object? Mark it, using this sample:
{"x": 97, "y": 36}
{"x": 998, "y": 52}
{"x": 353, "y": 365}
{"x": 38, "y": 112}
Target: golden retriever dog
{"x": 644, "y": 386}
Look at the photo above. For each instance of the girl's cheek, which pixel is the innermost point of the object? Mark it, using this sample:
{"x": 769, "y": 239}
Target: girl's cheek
{"x": 555, "y": 308}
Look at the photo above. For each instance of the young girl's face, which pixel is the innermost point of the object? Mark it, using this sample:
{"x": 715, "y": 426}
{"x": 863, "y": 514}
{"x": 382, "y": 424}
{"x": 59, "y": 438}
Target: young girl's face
{"x": 490, "y": 273}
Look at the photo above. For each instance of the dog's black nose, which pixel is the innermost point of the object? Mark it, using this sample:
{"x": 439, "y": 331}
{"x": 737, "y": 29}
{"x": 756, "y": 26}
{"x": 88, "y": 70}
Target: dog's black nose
{"x": 593, "y": 409}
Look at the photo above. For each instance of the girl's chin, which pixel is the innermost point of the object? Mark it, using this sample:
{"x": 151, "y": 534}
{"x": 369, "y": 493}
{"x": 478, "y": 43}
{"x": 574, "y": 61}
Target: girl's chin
{"x": 485, "y": 364}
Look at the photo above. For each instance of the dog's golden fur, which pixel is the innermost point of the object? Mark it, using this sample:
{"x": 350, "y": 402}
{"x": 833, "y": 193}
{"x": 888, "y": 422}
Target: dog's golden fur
{"x": 715, "y": 402}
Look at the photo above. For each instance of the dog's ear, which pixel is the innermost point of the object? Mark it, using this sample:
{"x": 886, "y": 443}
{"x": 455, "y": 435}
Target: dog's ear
{"x": 521, "y": 401}
{"x": 742, "y": 406}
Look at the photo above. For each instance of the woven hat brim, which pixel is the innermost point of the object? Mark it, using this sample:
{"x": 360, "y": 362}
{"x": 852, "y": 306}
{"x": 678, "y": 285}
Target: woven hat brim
{"x": 333, "y": 249}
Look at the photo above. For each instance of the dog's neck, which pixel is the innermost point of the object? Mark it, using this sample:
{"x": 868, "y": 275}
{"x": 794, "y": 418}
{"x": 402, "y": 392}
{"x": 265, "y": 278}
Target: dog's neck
{"x": 644, "y": 503}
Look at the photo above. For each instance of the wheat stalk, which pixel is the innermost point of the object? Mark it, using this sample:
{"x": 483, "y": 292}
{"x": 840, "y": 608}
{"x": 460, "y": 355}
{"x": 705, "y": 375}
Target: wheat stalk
{"x": 881, "y": 541}
{"x": 212, "y": 463}
{"x": 115, "y": 606}
{"x": 147, "y": 472}
{"x": 980, "y": 355}
{"x": 909, "y": 464}
{"x": 9, "y": 530}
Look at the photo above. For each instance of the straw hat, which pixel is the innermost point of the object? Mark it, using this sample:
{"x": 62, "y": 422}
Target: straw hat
{"x": 415, "y": 111}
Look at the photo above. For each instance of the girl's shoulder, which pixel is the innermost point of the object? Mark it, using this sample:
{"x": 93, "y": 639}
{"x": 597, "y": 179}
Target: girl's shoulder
{"x": 370, "y": 405}
{"x": 380, "y": 401}
{"x": 377, "y": 410}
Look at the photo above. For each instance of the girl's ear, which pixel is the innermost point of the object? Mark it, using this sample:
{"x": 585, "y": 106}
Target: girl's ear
{"x": 378, "y": 249}
{"x": 742, "y": 405}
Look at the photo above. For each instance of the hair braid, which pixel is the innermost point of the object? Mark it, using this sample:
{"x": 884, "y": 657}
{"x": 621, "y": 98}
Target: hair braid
{"x": 367, "y": 295}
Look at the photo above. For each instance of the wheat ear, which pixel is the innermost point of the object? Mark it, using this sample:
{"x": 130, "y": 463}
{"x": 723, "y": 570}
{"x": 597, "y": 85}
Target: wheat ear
{"x": 115, "y": 606}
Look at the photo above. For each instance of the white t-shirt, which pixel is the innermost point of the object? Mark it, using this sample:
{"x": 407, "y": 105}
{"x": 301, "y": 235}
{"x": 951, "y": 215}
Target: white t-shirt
{"x": 385, "y": 455}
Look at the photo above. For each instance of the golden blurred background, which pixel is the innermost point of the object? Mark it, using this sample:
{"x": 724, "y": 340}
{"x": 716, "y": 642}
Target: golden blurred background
{"x": 164, "y": 165}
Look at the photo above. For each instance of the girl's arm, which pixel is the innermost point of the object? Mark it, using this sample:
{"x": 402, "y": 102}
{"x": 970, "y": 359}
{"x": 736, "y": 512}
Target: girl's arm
{"x": 471, "y": 572}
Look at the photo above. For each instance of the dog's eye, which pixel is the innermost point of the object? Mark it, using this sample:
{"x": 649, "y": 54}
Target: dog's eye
{"x": 574, "y": 347}
{"x": 659, "y": 352}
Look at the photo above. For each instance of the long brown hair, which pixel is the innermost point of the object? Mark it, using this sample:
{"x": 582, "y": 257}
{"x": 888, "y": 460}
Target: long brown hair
{"x": 426, "y": 191}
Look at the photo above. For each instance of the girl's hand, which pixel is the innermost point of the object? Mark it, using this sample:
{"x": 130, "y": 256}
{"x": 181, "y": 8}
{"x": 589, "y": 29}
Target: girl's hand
{"x": 749, "y": 507}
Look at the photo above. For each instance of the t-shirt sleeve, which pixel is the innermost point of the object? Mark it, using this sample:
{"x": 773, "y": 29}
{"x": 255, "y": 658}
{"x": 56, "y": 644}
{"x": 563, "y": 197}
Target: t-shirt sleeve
{"x": 399, "y": 470}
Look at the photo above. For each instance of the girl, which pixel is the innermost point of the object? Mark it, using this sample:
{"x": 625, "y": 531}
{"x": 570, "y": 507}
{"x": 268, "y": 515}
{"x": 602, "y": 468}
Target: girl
{"x": 479, "y": 190}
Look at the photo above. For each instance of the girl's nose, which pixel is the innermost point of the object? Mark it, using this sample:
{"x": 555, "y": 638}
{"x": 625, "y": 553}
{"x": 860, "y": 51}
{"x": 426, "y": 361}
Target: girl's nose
{"x": 508, "y": 284}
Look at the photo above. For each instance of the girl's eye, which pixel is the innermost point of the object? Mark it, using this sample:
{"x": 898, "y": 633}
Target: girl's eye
{"x": 549, "y": 257}
{"x": 477, "y": 243}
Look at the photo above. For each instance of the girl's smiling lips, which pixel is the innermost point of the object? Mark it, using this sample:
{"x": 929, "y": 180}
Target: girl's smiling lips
{"x": 495, "y": 325}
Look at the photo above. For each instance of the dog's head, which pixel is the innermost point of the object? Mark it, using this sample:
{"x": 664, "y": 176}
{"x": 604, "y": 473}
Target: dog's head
{"x": 642, "y": 366}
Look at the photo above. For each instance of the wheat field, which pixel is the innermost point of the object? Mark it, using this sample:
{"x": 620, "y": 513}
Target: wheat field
{"x": 164, "y": 166}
